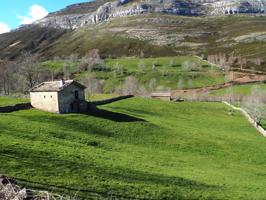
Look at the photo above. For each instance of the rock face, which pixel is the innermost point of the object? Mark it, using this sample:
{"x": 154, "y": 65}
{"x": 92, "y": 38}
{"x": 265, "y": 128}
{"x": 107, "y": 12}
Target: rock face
{"x": 79, "y": 15}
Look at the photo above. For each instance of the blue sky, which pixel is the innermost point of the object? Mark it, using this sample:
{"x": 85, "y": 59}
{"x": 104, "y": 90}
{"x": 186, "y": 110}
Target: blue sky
{"x": 16, "y": 12}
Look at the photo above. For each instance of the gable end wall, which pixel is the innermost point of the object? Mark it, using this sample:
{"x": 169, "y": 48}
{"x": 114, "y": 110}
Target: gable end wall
{"x": 47, "y": 101}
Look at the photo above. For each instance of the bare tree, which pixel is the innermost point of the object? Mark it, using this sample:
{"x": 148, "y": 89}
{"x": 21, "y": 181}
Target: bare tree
{"x": 190, "y": 83}
{"x": 258, "y": 61}
{"x": 67, "y": 69}
{"x": 154, "y": 64}
{"x": 190, "y": 65}
{"x": 172, "y": 63}
{"x": 255, "y": 105}
{"x": 119, "y": 69}
{"x": 230, "y": 96}
{"x": 180, "y": 84}
{"x": 130, "y": 86}
{"x": 152, "y": 84}
{"x": 141, "y": 65}
{"x": 89, "y": 81}
{"x": 30, "y": 69}
{"x": 7, "y": 76}
{"x": 91, "y": 59}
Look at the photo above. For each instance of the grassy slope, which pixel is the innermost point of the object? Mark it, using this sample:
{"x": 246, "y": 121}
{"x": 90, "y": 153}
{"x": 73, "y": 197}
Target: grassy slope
{"x": 119, "y": 37}
{"x": 10, "y": 101}
{"x": 168, "y": 72}
{"x": 239, "y": 89}
{"x": 168, "y": 76}
{"x": 180, "y": 151}
{"x": 210, "y": 34}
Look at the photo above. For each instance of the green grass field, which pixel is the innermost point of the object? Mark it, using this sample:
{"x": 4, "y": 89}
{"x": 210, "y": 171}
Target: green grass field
{"x": 10, "y": 101}
{"x": 161, "y": 150}
{"x": 239, "y": 89}
{"x": 164, "y": 72}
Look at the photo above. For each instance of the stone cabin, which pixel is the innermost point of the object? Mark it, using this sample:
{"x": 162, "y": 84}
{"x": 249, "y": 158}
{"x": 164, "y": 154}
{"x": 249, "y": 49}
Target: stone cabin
{"x": 59, "y": 97}
{"x": 165, "y": 96}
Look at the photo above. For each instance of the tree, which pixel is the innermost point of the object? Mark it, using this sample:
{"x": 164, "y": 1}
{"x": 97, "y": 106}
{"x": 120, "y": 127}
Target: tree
{"x": 119, "y": 69}
{"x": 180, "y": 84}
{"x": 130, "y": 86}
{"x": 141, "y": 66}
{"x": 8, "y": 81}
{"x": 258, "y": 61}
{"x": 190, "y": 65}
{"x": 152, "y": 84}
{"x": 255, "y": 106}
{"x": 190, "y": 83}
{"x": 66, "y": 69}
{"x": 91, "y": 59}
{"x": 30, "y": 69}
{"x": 230, "y": 98}
{"x": 154, "y": 64}
{"x": 172, "y": 63}
{"x": 90, "y": 81}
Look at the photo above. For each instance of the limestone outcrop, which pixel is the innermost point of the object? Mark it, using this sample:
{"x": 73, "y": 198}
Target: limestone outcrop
{"x": 79, "y": 15}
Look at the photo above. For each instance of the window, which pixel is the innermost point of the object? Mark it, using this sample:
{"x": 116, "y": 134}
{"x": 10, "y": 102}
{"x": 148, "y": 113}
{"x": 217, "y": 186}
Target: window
{"x": 44, "y": 96}
{"x": 76, "y": 94}
{"x": 51, "y": 96}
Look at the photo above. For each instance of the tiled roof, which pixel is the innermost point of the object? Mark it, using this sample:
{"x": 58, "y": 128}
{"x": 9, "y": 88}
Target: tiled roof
{"x": 161, "y": 94}
{"x": 55, "y": 86}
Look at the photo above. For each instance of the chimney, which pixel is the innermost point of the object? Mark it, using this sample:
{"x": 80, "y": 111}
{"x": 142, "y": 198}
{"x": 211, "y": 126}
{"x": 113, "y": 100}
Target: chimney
{"x": 62, "y": 82}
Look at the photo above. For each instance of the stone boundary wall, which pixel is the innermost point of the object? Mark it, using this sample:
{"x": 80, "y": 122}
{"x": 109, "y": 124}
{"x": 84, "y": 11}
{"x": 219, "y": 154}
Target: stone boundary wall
{"x": 250, "y": 119}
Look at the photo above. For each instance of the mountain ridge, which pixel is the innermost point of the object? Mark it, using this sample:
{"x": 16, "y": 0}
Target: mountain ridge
{"x": 79, "y": 15}
{"x": 148, "y": 34}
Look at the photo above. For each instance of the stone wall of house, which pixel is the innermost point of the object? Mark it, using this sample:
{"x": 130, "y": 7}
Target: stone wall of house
{"x": 67, "y": 101}
{"x": 166, "y": 98}
{"x": 47, "y": 101}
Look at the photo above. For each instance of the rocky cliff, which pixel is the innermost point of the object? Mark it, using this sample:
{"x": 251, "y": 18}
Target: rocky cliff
{"x": 79, "y": 15}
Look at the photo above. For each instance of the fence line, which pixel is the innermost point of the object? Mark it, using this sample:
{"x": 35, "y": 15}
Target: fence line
{"x": 250, "y": 119}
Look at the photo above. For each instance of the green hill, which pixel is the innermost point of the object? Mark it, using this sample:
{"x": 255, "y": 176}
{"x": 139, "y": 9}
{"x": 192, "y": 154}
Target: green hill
{"x": 148, "y": 35}
{"x": 138, "y": 149}
{"x": 243, "y": 90}
{"x": 160, "y": 73}
{"x": 160, "y": 35}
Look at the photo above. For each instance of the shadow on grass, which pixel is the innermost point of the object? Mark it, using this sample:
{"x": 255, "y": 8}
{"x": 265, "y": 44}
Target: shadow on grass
{"x": 135, "y": 182}
{"x": 68, "y": 123}
{"x": 113, "y": 116}
{"x": 93, "y": 110}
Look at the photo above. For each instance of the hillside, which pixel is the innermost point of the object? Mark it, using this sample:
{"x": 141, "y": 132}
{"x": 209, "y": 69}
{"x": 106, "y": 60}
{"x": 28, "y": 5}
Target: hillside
{"x": 80, "y": 15}
{"x": 150, "y": 34}
{"x": 155, "y": 35}
{"x": 160, "y": 73}
{"x": 159, "y": 151}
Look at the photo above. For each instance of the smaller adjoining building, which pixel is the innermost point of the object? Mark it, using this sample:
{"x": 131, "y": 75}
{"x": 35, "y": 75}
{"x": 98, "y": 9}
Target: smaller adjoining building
{"x": 166, "y": 96}
{"x": 59, "y": 97}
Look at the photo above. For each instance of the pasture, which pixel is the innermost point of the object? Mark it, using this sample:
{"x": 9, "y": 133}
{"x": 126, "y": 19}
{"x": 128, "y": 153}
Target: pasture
{"x": 11, "y": 101}
{"x": 158, "y": 73}
{"x": 138, "y": 149}
{"x": 243, "y": 90}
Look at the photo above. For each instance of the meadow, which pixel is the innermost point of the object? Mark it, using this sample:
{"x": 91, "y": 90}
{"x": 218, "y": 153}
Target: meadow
{"x": 243, "y": 90}
{"x": 11, "y": 101}
{"x": 160, "y": 73}
{"x": 138, "y": 149}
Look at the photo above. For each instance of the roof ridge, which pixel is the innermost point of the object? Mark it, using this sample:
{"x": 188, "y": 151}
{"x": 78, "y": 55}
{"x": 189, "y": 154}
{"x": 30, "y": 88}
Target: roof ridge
{"x": 55, "y": 86}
